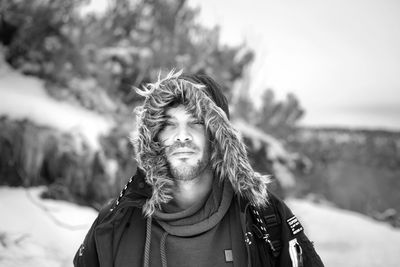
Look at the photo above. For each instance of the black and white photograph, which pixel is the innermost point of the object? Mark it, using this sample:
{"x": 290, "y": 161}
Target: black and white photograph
{"x": 200, "y": 133}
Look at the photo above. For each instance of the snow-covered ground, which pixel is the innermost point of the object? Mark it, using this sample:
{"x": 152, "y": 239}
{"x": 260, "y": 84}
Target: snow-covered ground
{"x": 345, "y": 238}
{"x": 41, "y": 233}
{"x": 24, "y": 97}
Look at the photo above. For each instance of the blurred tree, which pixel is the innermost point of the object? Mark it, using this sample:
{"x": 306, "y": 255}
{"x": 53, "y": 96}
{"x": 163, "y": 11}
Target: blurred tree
{"x": 39, "y": 35}
{"x": 275, "y": 117}
{"x": 126, "y": 46}
{"x": 279, "y": 118}
{"x": 134, "y": 40}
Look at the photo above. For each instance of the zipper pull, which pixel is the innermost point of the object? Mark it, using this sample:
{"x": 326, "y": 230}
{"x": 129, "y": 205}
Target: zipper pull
{"x": 81, "y": 249}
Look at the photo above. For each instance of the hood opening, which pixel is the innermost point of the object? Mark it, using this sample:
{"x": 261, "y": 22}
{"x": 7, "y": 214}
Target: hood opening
{"x": 228, "y": 154}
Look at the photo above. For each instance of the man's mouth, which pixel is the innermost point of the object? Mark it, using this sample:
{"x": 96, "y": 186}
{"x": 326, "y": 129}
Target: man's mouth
{"x": 182, "y": 152}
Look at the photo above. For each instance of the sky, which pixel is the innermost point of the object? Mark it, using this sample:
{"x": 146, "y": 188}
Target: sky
{"x": 341, "y": 58}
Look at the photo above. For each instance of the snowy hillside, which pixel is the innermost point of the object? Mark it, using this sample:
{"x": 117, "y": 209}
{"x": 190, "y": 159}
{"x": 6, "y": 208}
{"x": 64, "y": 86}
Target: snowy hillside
{"x": 41, "y": 233}
{"x": 24, "y": 97}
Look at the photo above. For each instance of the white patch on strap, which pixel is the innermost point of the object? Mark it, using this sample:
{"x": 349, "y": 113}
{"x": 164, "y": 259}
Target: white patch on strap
{"x": 228, "y": 255}
{"x": 294, "y": 225}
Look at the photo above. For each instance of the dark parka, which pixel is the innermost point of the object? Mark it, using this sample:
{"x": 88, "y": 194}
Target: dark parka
{"x": 101, "y": 242}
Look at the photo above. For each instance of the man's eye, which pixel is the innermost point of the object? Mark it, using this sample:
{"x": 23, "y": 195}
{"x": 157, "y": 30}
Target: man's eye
{"x": 168, "y": 123}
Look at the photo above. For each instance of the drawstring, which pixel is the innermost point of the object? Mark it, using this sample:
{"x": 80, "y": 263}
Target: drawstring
{"x": 147, "y": 244}
{"x": 162, "y": 249}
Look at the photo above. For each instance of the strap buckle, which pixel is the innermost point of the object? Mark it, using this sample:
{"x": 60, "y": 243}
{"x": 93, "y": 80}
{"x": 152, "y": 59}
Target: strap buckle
{"x": 266, "y": 239}
{"x": 248, "y": 236}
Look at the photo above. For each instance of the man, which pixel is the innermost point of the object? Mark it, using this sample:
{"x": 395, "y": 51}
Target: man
{"x": 195, "y": 200}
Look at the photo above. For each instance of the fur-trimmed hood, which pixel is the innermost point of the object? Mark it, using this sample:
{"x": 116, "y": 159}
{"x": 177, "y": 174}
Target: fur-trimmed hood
{"x": 203, "y": 98}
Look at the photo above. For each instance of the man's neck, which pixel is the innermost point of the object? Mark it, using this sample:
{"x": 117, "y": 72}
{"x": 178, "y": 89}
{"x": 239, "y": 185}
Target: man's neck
{"x": 187, "y": 193}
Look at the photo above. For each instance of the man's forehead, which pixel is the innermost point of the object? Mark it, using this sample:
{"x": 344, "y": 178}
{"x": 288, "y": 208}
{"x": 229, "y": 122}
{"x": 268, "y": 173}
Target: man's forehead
{"x": 177, "y": 111}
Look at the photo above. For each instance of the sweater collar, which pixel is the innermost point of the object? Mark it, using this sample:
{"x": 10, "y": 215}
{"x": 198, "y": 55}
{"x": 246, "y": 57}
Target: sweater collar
{"x": 200, "y": 217}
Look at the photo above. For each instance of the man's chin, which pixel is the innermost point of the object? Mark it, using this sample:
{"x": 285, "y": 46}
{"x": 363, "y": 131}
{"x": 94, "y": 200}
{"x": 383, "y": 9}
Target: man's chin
{"x": 184, "y": 171}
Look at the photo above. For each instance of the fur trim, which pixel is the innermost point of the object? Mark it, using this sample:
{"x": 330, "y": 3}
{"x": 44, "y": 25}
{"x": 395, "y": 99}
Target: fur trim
{"x": 228, "y": 154}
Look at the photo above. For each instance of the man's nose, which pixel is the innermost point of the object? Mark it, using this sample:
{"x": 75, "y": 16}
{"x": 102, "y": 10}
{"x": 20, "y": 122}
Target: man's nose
{"x": 183, "y": 135}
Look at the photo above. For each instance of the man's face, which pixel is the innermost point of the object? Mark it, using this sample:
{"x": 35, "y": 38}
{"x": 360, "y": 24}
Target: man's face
{"x": 186, "y": 144}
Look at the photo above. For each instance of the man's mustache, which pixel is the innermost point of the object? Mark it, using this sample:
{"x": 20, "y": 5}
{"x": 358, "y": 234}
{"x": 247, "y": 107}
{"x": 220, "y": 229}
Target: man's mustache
{"x": 190, "y": 145}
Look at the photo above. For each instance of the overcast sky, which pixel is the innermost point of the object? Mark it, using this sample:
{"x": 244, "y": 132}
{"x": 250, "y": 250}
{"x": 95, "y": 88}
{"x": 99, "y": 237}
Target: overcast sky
{"x": 340, "y": 57}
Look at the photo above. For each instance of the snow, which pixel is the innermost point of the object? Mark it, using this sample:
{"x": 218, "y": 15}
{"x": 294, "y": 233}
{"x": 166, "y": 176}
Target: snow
{"x": 36, "y": 232}
{"x": 345, "y": 238}
{"x": 24, "y": 97}
{"x": 39, "y": 233}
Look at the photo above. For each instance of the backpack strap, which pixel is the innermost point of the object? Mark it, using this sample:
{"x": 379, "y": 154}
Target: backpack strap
{"x": 262, "y": 233}
{"x": 267, "y": 225}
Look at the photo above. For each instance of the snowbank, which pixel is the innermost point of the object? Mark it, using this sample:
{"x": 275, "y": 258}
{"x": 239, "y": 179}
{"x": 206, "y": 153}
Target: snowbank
{"x": 24, "y": 97}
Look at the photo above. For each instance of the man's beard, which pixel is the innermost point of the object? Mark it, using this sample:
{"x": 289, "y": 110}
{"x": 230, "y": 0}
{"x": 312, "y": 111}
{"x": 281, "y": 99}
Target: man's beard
{"x": 185, "y": 171}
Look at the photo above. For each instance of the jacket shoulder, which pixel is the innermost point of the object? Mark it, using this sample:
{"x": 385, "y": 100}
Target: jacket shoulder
{"x": 87, "y": 253}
